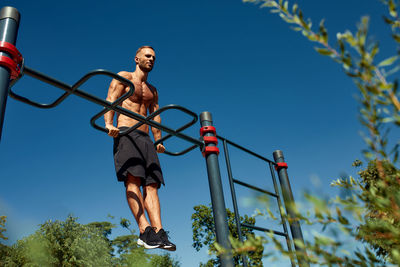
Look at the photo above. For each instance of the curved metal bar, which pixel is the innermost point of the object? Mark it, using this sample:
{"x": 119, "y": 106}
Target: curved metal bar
{"x": 187, "y": 125}
{"x": 147, "y": 119}
{"x": 180, "y": 153}
{"x": 70, "y": 89}
{"x": 114, "y": 106}
{"x": 47, "y": 79}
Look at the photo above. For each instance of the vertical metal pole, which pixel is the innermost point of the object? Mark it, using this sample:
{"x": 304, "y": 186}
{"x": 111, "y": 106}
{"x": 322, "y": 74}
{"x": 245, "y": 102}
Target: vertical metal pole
{"x": 217, "y": 196}
{"x": 284, "y": 221}
{"x": 289, "y": 202}
{"x": 234, "y": 201}
{"x": 9, "y": 22}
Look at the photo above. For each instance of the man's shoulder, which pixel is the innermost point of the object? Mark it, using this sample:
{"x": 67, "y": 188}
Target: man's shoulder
{"x": 125, "y": 74}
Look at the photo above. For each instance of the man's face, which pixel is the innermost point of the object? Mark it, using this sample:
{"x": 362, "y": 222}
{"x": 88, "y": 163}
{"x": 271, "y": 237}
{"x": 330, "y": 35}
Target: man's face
{"x": 145, "y": 59}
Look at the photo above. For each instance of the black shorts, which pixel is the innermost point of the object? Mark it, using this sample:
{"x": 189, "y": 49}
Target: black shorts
{"x": 135, "y": 153}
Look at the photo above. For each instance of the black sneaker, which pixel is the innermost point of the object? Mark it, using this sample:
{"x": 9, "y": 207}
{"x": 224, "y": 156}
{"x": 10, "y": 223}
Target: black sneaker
{"x": 149, "y": 239}
{"x": 166, "y": 243}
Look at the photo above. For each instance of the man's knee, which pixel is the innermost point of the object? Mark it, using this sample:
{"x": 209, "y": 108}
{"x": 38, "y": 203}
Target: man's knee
{"x": 151, "y": 188}
{"x": 132, "y": 181}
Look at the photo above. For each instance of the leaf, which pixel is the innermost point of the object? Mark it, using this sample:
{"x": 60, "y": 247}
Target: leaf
{"x": 374, "y": 50}
{"x": 392, "y": 8}
{"x": 269, "y": 4}
{"x": 396, "y": 37}
{"x": 324, "y": 51}
{"x": 297, "y": 29}
{"x": 294, "y": 8}
{"x": 388, "y": 120}
{"x": 388, "y": 61}
{"x": 286, "y": 6}
{"x": 388, "y": 21}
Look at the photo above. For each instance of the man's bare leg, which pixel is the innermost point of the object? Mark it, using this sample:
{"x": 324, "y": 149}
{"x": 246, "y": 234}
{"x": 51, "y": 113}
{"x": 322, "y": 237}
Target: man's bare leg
{"x": 135, "y": 202}
{"x": 152, "y": 205}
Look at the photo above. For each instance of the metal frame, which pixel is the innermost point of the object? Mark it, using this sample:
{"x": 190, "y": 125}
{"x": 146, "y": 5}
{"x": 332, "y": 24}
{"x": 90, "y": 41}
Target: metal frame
{"x": 74, "y": 89}
{"x": 276, "y": 195}
{"x": 9, "y": 23}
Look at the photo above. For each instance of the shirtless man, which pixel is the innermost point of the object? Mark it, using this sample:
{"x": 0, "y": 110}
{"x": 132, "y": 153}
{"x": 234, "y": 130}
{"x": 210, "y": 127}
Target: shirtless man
{"x": 135, "y": 157}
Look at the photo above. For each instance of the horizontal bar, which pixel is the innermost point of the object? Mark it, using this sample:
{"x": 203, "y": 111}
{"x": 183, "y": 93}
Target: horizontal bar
{"x": 245, "y": 149}
{"x": 109, "y": 105}
{"x": 255, "y": 188}
{"x": 263, "y": 229}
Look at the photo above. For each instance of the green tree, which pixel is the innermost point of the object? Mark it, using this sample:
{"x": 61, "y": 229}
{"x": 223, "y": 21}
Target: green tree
{"x": 3, "y": 248}
{"x": 204, "y": 235}
{"x": 61, "y": 243}
{"x": 380, "y": 224}
{"x": 69, "y": 243}
{"x": 2, "y": 227}
{"x": 374, "y": 199}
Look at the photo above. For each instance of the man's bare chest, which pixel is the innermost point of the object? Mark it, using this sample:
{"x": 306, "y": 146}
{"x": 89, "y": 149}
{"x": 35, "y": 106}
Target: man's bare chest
{"x": 143, "y": 94}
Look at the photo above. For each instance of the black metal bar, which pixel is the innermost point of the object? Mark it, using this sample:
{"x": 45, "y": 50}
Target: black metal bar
{"x": 289, "y": 202}
{"x": 109, "y": 105}
{"x": 180, "y": 153}
{"x": 284, "y": 221}
{"x": 9, "y": 23}
{"x": 244, "y": 149}
{"x": 147, "y": 119}
{"x": 70, "y": 89}
{"x": 263, "y": 229}
{"x": 217, "y": 197}
{"x": 255, "y": 188}
{"x": 234, "y": 201}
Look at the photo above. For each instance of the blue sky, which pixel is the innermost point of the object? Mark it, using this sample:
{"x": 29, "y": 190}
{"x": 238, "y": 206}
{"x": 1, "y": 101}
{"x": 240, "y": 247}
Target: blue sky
{"x": 264, "y": 84}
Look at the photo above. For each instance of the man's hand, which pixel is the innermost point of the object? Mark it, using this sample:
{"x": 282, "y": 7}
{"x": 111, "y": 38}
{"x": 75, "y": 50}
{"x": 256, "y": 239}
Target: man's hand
{"x": 160, "y": 148}
{"x": 112, "y": 130}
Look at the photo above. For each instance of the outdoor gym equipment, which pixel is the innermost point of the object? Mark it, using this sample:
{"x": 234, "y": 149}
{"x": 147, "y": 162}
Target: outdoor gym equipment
{"x": 12, "y": 68}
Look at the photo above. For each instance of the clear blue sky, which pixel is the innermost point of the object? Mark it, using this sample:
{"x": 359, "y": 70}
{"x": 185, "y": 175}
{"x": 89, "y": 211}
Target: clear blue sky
{"x": 264, "y": 84}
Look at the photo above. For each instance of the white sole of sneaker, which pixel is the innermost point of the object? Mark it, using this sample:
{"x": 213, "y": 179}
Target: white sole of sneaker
{"x": 140, "y": 242}
{"x": 170, "y": 248}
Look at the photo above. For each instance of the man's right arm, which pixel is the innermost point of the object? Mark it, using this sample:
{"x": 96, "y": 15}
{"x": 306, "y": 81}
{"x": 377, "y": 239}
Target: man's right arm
{"x": 115, "y": 90}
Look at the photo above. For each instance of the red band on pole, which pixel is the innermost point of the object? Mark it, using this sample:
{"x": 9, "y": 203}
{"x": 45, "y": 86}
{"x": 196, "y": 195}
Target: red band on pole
{"x": 210, "y": 139}
{"x": 207, "y": 129}
{"x": 281, "y": 165}
{"x": 11, "y": 65}
{"x": 13, "y": 62}
{"x": 12, "y": 50}
{"x": 210, "y": 149}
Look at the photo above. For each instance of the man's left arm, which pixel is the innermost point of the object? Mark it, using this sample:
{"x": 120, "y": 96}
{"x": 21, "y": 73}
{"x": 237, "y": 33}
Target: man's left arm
{"x": 156, "y": 132}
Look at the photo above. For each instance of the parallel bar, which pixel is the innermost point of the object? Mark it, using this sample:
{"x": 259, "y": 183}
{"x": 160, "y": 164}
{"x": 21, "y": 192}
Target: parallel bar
{"x": 234, "y": 201}
{"x": 104, "y": 103}
{"x": 245, "y": 149}
{"x": 255, "y": 188}
{"x": 263, "y": 229}
{"x": 47, "y": 79}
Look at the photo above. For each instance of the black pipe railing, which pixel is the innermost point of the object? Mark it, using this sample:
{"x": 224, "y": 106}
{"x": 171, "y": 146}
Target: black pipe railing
{"x": 74, "y": 89}
{"x": 276, "y": 195}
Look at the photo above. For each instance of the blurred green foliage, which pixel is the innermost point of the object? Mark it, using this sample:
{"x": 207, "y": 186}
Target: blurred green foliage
{"x": 370, "y": 210}
{"x": 69, "y": 243}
